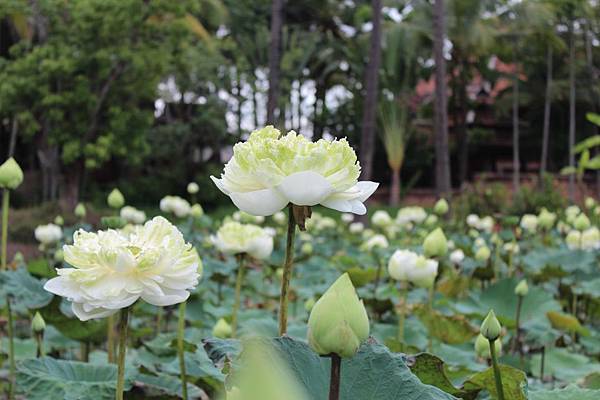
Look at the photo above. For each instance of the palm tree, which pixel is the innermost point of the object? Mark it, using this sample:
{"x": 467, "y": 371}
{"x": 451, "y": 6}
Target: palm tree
{"x": 274, "y": 58}
{"x": 442, "y": 158}
{"x": 367, "y": 142}
{"x": 394, "y": 120}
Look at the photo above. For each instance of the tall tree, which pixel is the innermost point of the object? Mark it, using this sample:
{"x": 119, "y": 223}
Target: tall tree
{"x": 547, "y": 110}
{"x": 367, "y": 142}
{"x": 442, "y": 157}
{"x": 274, "y": 59}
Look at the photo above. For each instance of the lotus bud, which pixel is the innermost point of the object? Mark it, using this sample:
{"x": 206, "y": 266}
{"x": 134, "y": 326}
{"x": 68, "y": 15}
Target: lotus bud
{"x": 280, "y": 218}
{"x": 197, "y": 211}
{"x": 115, "y": 199}
{"x": 400, "y": 264}
{"x": 338, "y": 322}
{"x": 347, "y": 218}
{"x": 435, "y": 244}
{"x": 573, "y": 239}
{"x": 490, "y": 328}
{"x": 457, "y": 256}
{"x": 529, "y": 222}
{"x": 582, "y": 222}
{"x": 59, "y": 256}
{"x": 590, "y": 202}
{"x": 374, "y": 242}
{"x": 522, "y": 288}
{"x": 222, "y": 329}
{"x": 193, "y": 188}
{"x": 306, "y": 249}
{"x": 18, "y": 258}
{"x": 482, "y": 346}
{"x": 38, "y": 325}
{"x": 59, "y": 220}
{"x": 11, "y": 174}
{"x": 441, "y": 207}
{"x": 431, "y": 220}
{"x": 80, "y": 211}
{"x": 483, "y": 254}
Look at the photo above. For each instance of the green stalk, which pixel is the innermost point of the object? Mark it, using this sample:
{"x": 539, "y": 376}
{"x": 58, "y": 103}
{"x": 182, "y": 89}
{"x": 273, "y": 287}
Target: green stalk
{"x": 11, "y": 351}
{"x": 39, "y": 339}
{"x": 110, "y": 338}
{"x": 335, "y": 377}
{"x": 238, "y": 294}
{"x": 5, "y": 199}
{"x": 180, "y": 350}
{"x": 497, "y": 375}
{"x": 430, "y": 337}
{"x": 518, "y": 322}
{"x": 378, "y": 274}
{"x": 287, "y": 273}
{"x": 122, "y": 351}
{"x": 402, "y": 315}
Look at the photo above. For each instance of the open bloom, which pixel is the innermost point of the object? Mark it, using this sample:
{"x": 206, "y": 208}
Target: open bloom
{"x": 381, "y": 219}
{"x": 133, "y": 215}
{"x": 529, "y": 222}
{"x": 269, "y": 171}
{"x": 401, "y": 262}
{"x": 112, "y": 270}
{"x": 175, "y": 205}
{"x": 48, "y": 234}
{"x": 236, "y": 238}
{"x": 411, "y": 215}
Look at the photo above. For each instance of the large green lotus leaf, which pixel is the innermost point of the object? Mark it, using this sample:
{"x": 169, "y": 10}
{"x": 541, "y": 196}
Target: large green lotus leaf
{"x": 48, "y": 378}
{"x": 501, "y": 298}
{"x": 219, "y": 349}
{"x": 514, "y": 382}
{"x": 431, "y": 370}
{"x": 458, "y": 356}
{"x": 454, "y": 329}
{"x": 564, "y": 364}
{"x": 590, "y": 287}
{"x": 70, "y": 326}
{"x": 568, "y": 393}
{"x": 566, "y": 322}
{"x": 162, "y": 384}
{"x": 197, "y": 364}
{"x": 563, "y": 258}
{"x": 24, "y": 348}
{"x": 373, "y": 373}
{"x": 592, "y": 381}
{"x": 26, "y": 290}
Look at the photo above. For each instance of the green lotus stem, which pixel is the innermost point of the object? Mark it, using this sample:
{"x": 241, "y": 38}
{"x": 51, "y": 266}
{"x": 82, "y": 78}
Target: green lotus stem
{"x": 402, "y": 315}
{"x": 430, "y": 338}
{"x": 11, "y": 351}
{"x": 542, "y": 363}
{"x": 180, "y": 350}
{"x": 39, "y": 340}
{"x": 85, "y": 351}
{"x": 574, "y": 306}
{"x": 110, "y": 338}
{"x": 122, "y": 351}
{"x": 5, "y": 200}
{"x": 159, "y": 317}
{"x": 497, "y": 375}
{"x": 378, "y": 274}
{"x": 518, "y": 317}
{"x": 287, "y": 272}
{"x": 238, "y": 294}
{"x": 335, "y": 377}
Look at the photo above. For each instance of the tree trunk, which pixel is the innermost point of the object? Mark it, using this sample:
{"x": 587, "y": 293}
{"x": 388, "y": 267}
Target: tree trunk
{"x": 367, "y": 138}
{"x": 274, "y": 59}
{"x": 547, "y": 109}
{"x": 320, "y": 107}
{"x": 395, "y": 188}
{"x": 516, "y": 178}
{"x": 461, "y": 125}
{"x": 442, "y": 158}
{"x": 571, "y": 110}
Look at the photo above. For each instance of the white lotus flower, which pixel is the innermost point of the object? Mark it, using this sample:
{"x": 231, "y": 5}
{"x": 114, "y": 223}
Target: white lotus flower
{"x": 245, "y": 218}
{"x": 411, "y": 215}
{"x": 400, "y": 263}
{"x": 376, "y": 241}
{"x": 280, "y": 218}
{"x": 175, "y": 205}
{"x": 381, "y": 219}
{"x": 573, "y": 240}
{"x": 112, "y": 270}
{"x": 193, "y": 188}
{"x": 48, "y": 234}
{"x": 511, "y": 247}
{"x": 270, "y": 171}
{"x": 347, "y": 217}
{"x": 473, "y": 220}
{"x": 356, "y": 227}
{"x": 423, "y": 272}
{"x": 590, "y": 239}
{"x": 457, "y": 256}
{"x": 236, "y": 238}
{"x": 529, "y": 222}
{"x": 133, "y": 215}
